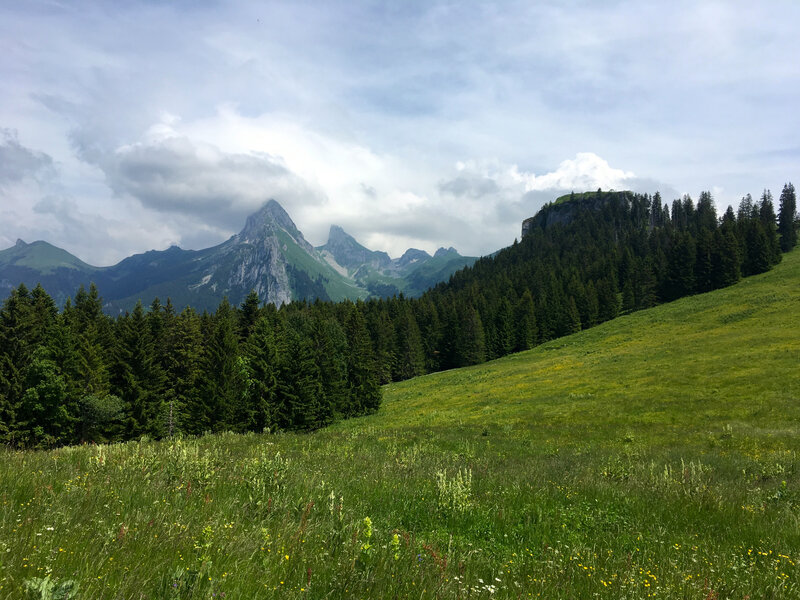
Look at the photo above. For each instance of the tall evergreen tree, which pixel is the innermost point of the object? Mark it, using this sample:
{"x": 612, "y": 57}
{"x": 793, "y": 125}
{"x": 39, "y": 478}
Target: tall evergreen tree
{"x": 138, "y": 379}
{"x": 44, "y": 416}
{"x": 787, "y": 217}
{"x": 680, "y": 279}
{"x": 185, "y": 410}
{"x": 766, "y": 214}
{"x": 224, "y": 383}
{"x": 362, "y": 380}
{"x": 471, "y": 343}
{"x": 329, "y": 350}
{"x": 262, "y": 361}
{"x": 526, "y": 331}
{"x": 248, "y": 315}
{"x": 410, "y": 360}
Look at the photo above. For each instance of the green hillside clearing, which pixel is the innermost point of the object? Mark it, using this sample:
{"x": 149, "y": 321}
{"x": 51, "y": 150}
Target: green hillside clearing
{"x": 653, "y": 456}
{"x": 42, "y": 257}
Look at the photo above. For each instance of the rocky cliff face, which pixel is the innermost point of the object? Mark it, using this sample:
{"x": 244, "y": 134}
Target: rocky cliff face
{"x": 269, "y": 255}
{"x": 259, "y": 265}
{"x": 259, "y": 258}
{"x": 346, "y": 252}
{"x": 564, "y": 208}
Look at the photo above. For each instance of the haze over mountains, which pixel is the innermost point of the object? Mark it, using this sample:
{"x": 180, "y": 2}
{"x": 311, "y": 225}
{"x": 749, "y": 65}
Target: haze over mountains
{"x": 269, "y": 255}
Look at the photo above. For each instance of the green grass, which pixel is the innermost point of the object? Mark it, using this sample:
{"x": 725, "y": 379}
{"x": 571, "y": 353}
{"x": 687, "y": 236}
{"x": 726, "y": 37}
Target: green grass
{"x": 42, "y": 257}
{"x": 586, "y": 195}
{"x": 337, "y": 287}
{"x": 652, "y": 456}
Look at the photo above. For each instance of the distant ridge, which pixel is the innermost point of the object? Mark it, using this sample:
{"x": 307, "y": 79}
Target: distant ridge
{"x": 269, "y": 255}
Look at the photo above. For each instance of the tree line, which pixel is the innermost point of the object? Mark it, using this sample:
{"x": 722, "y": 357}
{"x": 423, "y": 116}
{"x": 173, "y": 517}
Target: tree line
{"x": 77, "y": 375}
{"x": 618, "y": 252}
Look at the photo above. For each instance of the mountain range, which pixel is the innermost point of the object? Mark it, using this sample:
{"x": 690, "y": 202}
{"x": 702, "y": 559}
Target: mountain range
{"x": 269, "y": 255}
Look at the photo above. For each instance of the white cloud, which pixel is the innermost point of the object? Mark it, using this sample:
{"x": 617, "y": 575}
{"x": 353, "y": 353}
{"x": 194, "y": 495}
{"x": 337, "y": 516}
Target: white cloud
{"x": 174, "y": 121}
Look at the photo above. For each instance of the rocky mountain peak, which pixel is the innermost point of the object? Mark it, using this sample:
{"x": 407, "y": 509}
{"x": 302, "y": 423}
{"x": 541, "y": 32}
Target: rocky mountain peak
{"x": 411, "y": 256}
{"x": 445, "y": 251}
{"x": 264, "y": 221}
{"x": 348, "y": 253}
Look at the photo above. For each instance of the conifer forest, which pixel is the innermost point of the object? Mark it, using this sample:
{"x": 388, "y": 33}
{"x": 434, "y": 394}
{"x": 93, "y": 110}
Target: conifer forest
{"x": 73, "y": 374}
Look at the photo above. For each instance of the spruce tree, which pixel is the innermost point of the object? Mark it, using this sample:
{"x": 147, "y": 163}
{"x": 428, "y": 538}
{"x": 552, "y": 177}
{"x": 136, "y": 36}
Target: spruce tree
{"x": 704, "y": 265}
{"x": 185, "y": 411}
{"x": 471, "y": 344}
{"x": 383, "y": 335}
{"x": 248, "y": 314}
{"x": 787, "y": 216}
{"x": 224, "y": 376}
{"x": 262, "y": 359}
{"x": 526, "y": 330}
{"x": 766, "y": 214}
{"x": 362, "y": 380}
{"x": 329, "y": 350}
{"x": 680, "y": 279}
{"x": 44, "y": 417}
{"x": 299, "y": 383}
{"x": 410, "y": 360}
{"x": 138, "y": 379}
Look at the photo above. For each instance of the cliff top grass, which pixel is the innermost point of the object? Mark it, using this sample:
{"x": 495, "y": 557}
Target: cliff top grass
{"x": 587, "y": 195}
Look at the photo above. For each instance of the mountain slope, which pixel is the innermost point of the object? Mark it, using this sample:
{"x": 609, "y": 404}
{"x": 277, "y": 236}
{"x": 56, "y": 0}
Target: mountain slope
{"x": 40, "y": 262}
{"x": 269, "y": 255}
{"x": 727, "y": 356}
{"x": 411, "y": 274}
{"x": 655, "y": 453}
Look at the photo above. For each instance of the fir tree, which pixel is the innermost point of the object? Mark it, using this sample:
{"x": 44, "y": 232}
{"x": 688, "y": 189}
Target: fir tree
{"x": 138, "y": 379}
{"x": 410, "y": 360}
{"x": 262, "y": 360}
{"x": 224, "y": 382}
{"x": 787, "y": 216}
{"x": 44, "y": 416}
{"x": 526, "y": 330}
{"x": 362, "y": 380}
{"x": 766, "y": 214}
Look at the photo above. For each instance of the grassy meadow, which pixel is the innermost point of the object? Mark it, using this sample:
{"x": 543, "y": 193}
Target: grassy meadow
{"x": 654, "y": 456}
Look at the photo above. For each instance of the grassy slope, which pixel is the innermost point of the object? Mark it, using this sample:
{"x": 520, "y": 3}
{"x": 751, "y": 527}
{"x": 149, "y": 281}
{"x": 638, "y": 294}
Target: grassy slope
{"x": 337, "y": 287}
{"x": 42, "y": 257}
{"x": 729, "y": 357}
{"x": 653, "y": 456}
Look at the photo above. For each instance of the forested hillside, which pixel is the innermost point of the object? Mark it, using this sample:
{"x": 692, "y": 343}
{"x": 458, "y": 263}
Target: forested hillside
{"x": 611, "y": 253}
{"x": 78, "y": 375}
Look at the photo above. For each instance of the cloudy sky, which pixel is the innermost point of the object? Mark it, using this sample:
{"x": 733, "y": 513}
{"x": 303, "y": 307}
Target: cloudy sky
{"x": 137, "y": 125}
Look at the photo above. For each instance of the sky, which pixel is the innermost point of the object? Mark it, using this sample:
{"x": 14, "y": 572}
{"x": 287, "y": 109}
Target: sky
{"x": 132, "y": 126}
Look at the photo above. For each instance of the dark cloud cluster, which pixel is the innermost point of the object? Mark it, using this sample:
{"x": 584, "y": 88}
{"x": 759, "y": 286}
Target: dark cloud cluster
{"x": 198, "y": 181}
{"x": 469, "y": 185}
{"x": 18, "y": 162}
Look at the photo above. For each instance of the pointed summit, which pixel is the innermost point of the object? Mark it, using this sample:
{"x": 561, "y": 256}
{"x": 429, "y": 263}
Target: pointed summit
{"x": 348, "y": 253}
{"x": 265, "y": 220}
